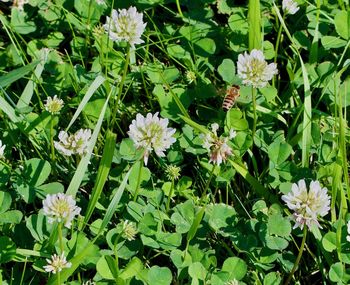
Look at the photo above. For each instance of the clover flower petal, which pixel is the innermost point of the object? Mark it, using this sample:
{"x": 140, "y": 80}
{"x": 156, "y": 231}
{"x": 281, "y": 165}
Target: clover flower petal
{"x": 125, "y": 25}
{"x": 61, "y": 208}
{"x": 307, "y": 205}
{"x": 2, "y": 149}
{"x": 254, "y": 70}
{"x": 53, "y": 104}
{"x": 57, "y": 263}
{"x": 73, "y": 144}
{"x": 290, "y": 7}
{"x": 217, "y": 146}
{"x": 151, "y": 133}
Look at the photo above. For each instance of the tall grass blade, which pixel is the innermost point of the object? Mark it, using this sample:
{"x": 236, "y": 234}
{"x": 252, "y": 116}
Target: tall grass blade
{"x": 92, "y": 89}
{"x": 114, "y": 203}
{"x": 16, "y": 74}
{"x": 258, "y": 188}
{"x": 307, "y": 117}
{"x": 28, "y": 91}
{"x": 79, "y": 173}
{"x": 102, "y": 174}
{"x": 254, "y": 22}
{"x": 194, "y": 227}
{"x": 9, "y": 110}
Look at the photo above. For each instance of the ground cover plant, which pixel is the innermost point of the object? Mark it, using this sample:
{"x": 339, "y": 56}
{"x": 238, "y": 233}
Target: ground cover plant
{"x": 174, "y": 142}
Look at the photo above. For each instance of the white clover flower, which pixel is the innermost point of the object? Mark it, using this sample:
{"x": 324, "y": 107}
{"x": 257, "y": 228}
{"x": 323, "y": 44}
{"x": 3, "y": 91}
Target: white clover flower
{"x": 53, "y": 104}
{"x": 151, "y": 133}
{"x": 129, "y": 230}
{"x": 2, "y": 150}
{"x": 307, "y": 206}
{"x": 61, "y": 208}
{"x": 125, "y": 25}
{"x": 348, "y": 236}
{"x": 217, "y": 147}
{"x": 254, "y": 70}
{"x": 73, "y": 144}
{"x": 81, "y": 141}
{"x": 290, "y": 7}
{"x": 89, "y": 282}
{"x": 57, "y": 263}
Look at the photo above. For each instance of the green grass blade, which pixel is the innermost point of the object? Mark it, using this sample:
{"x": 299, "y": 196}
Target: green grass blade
{"x": 196, "y": 126}
{"x": 314, "y": 45}
{"x": 28, "y": 91}
{"x": 16, "y": 74}
{"x": 102, "y": 174}
{"x": 92, "y": 89}
{"x": 9, "y": 110}
{"x": 114, "y": 203}
{"x": 79, "y": 173}
{"x": 307, "y": 117}
{"x": 258, "y": 188}
{"x": 254, "y": 22}
{"x": 195, "y": 225}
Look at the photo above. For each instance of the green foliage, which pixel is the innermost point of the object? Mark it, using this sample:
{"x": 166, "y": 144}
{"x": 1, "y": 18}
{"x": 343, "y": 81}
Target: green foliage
{"x": 217, "y": 223}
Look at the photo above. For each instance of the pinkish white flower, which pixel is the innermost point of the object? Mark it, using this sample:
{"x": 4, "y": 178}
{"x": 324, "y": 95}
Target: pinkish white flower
{"x": 53, "y": 104}
{"x": 73, "y": 144}
{"x": 57, "y": 263}
{"x": 151, "y": 133}
{"x": 125, "y": 25}
{"x": 254, "y": 70}
{"x": 307, "y": 206}
{"x": 61, "y": 208}
{"x": 217, "y": 147}
{"x": 290, "y": 6}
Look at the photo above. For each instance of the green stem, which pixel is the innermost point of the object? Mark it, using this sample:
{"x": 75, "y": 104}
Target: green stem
{"x": 53, "y": 158}
{"x": 209, "y": 180}
{"x": 115, "y": 249}
{"x": 278, "y": 40}
{"x": 254, "y": 112}
{"x": 121, "y": 85}
{"x": 59, "y": 278}
{"x": 138, "y": 181}
{"x": 170, "y": 194}
{"x": 301, "y": 249}
{"x": 59, "y": 229}
{"x": 179, "y": 7}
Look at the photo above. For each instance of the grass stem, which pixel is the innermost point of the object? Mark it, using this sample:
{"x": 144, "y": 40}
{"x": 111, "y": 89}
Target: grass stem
{"x": 138, "y": 181}
{"x": 301, "y": 249}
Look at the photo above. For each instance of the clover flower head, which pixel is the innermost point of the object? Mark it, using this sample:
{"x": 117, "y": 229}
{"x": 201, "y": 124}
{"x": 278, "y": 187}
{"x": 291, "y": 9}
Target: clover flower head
{"x": 172, "y": 172}
{"x": 190, "y": 76}
{"x": 307, "y": 205}
{"x": 254, "y": 70}
{"x": 125, "y": 25}
{"x": 73, "y": 144}
{"x": 89, "y": 282}
{"x": 290, "y": 7}
{"x": 61, "y": 208}
{"x": 20, "y": 4}
{"x": 217, "y": 146}
{"x": 129, "y": 230}
{"x": 100, "y": 2}
{"x": 151, "y": 133}
{"x": 57, "y": 263}
{"x": 2, "y": 149}
{"x": 53, "y": 104}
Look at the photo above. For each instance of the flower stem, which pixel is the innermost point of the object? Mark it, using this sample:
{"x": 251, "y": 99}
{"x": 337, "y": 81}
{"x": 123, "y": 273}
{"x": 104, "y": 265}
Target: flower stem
{"x": 138, "y": 181}
{"x": 121, "y": 85}
{"x": 278, "y": 40}
{"x": 59, "y": 229}
{"x": 254, "y": 91}
{"x": 301, "y": 249}
{"x": 208, "y": 182}
{"x": 58, "y": 278}
{"x": 179, "y": 8}
{"x": 53, "y": 158}
{"x": 170, "y": 194}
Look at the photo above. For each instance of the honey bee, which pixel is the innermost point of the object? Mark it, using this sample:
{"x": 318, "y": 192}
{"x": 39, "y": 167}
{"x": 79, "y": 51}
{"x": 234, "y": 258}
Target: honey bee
{"x": 231, "y": 96}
